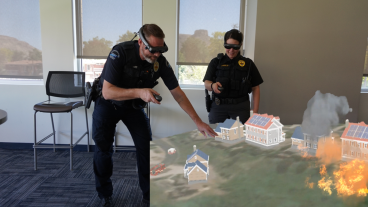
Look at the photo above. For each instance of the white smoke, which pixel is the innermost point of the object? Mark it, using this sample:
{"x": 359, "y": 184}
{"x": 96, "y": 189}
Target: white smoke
{"x": 322, "y": 112}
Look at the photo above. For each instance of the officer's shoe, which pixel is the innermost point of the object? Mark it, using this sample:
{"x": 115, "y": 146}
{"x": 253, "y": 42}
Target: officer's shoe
{"x": 107, "y": 202}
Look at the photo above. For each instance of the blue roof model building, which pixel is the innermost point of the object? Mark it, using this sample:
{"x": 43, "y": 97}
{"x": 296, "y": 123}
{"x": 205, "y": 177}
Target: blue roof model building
{"x": 228, "y": 123}
{"x": 298, "y": 134}
{"x": 200, "y": 165}
{"x": 199, "y": 153}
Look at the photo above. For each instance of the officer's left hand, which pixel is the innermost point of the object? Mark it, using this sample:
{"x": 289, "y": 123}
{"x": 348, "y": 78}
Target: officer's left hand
{"x": 204, "y": 128}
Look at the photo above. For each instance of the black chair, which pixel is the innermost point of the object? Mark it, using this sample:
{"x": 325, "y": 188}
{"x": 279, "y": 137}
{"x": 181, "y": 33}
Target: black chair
{"x": 64, "y": 84}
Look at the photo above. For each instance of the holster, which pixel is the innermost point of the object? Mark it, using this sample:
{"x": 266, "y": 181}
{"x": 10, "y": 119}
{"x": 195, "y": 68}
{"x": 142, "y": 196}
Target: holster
{"x": 93, "y": 91}
{"x": 208, "y": 101}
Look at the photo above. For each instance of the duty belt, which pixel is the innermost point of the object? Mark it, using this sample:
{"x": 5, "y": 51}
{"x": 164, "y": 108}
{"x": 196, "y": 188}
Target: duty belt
{"x": 219, "y": 101}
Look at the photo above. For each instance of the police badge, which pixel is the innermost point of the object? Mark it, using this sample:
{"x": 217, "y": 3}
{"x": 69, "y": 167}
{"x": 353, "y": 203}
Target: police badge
{"x": 156, "y": 65}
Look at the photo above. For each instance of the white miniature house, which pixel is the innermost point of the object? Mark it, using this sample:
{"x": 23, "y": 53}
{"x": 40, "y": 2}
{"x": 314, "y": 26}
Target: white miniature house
{"x": 230, "y": 130}
{"x": 264, "y": 129}
{"x": 355, "y": 141}
{"x": 196, "y": 167}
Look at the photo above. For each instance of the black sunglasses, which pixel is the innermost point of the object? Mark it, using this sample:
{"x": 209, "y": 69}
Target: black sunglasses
{"x": 229, "y": 46}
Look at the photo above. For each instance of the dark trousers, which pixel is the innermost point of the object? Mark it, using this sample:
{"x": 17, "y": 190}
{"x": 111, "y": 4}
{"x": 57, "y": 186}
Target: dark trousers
{"x": 105, "y": 118}
{"x": 219, "y": 113}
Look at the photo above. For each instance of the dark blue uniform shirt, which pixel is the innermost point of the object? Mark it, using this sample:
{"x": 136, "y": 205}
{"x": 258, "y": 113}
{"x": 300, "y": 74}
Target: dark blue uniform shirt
{"x": 116, "y": 61}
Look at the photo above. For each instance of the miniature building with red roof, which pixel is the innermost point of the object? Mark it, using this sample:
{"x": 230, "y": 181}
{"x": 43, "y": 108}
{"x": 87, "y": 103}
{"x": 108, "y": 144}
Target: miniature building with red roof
{"x": 355, "y": 141}
{"x": 264, "y": 129}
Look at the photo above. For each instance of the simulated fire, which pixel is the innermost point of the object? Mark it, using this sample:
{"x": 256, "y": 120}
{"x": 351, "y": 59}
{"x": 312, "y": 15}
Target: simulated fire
{"x": 350, "y": 178}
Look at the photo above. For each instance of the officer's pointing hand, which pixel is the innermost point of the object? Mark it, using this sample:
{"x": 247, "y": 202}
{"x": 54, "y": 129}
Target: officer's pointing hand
{"x": 215, "y": 87}
{"x": 146, "y": 95}
{"x": 204, "y": 128}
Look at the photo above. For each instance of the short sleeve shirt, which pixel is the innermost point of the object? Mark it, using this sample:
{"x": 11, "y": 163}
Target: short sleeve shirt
{"x": 116, "y": 61}
{"x": 255, "y": 76}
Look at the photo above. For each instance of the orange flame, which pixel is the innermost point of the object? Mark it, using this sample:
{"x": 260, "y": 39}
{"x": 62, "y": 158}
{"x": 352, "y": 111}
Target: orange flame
{"x": 308, "y": 184}
{"x": 329, "y": 150}
{"x": 350, "y": 179}
{"x": 322, "y": 170}
{"x": 303, "y": 151}
{"x": 325, "y": 185}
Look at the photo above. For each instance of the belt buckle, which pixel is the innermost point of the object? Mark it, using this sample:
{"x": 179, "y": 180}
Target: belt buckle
{"x": 217, "y": 101}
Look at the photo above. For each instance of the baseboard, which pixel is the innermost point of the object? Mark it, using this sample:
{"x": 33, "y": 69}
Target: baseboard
{"x": 82, "y": 148}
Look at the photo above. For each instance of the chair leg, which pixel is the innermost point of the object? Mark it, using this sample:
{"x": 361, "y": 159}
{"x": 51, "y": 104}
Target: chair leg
{"x": 53, "y": 129}
{"x": 35, "y": 141}
{"x": 71, "y": 141}
{"x": 87, "y": 130}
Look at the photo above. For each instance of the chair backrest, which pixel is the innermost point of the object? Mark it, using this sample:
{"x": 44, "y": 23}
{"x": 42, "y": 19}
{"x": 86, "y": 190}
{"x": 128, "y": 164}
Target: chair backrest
{"x": 67, "y": 84}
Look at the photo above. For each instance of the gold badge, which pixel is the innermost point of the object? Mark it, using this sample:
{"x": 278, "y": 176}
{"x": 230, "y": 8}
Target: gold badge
{"x": 156, "y": 66}
{"x": 241, "y": 63}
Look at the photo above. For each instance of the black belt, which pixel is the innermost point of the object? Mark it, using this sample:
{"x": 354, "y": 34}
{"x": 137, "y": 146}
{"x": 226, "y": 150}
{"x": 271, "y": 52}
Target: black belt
{"x": 219, "y": 101}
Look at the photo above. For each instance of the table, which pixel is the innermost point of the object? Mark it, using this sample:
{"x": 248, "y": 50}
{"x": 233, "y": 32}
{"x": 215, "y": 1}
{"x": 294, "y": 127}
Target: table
{"x": 241, "y": 174}
{"x": 3, "y": 116}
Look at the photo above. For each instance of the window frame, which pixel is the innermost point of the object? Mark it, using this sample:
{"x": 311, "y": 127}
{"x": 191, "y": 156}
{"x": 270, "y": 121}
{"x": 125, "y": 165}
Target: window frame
{"x": 242, "y": 21}
{"x": 22, "y": 79}
{"x": 78, "y": 40}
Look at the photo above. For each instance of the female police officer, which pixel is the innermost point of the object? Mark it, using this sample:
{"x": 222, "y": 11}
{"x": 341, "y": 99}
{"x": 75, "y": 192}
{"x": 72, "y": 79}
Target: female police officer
{"x": 231, "y": 77}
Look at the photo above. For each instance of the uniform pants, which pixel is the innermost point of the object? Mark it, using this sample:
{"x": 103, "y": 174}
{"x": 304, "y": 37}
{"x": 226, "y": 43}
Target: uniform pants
{"x": 105, "y": 118}
{"x": 219, "y": 113}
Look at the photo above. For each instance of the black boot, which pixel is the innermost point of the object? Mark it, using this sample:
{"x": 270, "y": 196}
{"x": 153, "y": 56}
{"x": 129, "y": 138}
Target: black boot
{"x": 107, "y": 202}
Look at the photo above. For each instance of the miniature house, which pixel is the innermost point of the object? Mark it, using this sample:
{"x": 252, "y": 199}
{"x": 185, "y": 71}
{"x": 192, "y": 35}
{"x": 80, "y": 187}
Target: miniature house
{"x": 355, "y": 141}
{"x": 230, "y": 130}
{"x": 297, "y": 139}
{"x": 306, "y": 142}
{"x": 264, "y": 129}
{"x": 196, "y": 167}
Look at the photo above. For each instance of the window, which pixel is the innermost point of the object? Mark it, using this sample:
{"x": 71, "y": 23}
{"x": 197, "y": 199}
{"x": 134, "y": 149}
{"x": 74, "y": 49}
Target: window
{"x": 200, "y": 35}
{"x": 20, "y": 40}
{"x": 364, "y": 87}
{"x": 234, "y": 131}
{"x": 100, "y": 25}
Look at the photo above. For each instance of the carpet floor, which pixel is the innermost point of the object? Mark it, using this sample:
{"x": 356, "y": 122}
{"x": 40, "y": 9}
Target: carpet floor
{"x": 53, "y": 184}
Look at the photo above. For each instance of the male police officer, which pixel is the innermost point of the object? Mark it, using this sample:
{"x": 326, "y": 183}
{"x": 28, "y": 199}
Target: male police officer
{"x": 129, "y": 74}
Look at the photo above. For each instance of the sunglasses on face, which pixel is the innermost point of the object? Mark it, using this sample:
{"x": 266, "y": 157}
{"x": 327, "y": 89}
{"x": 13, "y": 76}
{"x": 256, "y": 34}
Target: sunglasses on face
{"x": 229, "y": 46}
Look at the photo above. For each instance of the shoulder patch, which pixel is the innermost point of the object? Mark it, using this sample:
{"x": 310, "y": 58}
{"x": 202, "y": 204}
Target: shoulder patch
{"x": 241, "y": 63}
{"x": 114, "y": 54}
{"x": 156, "y": 65}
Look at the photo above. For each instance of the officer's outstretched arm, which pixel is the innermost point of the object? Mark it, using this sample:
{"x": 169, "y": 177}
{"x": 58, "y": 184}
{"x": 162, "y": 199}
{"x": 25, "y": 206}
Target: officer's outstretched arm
{"x": 185, "y": 104}
{"x": 112, "y": 92}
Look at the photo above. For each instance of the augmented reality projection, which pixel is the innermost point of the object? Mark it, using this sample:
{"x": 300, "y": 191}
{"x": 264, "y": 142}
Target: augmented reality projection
{"x": 320, "y": 158}
{"x": 264, "y": 129}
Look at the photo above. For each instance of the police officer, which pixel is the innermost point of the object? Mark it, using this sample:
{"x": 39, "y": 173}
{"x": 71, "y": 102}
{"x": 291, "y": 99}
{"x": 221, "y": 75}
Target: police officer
{"x": 130, "y": 72}
{"x": 235, "y": 76}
